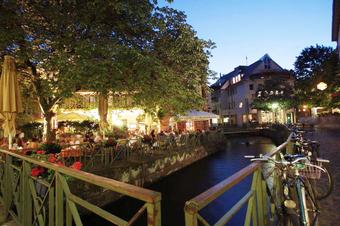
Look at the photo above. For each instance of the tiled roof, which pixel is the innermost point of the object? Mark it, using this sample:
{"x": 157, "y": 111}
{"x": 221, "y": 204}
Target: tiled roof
{"x": 245, "y": 70}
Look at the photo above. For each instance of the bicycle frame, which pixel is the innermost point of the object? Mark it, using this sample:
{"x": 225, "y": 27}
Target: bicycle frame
{"x": 301, "y": 196}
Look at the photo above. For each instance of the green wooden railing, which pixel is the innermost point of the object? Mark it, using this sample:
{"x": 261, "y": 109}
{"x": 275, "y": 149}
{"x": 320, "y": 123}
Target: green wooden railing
{"x": 262, "y": 206}
{"x": 35, "y": 201}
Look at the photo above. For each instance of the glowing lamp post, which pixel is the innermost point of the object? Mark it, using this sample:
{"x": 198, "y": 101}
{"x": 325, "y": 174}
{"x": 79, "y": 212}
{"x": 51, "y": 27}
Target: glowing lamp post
{"x": 275, "y": 106}
{"x": 321, "y": 86}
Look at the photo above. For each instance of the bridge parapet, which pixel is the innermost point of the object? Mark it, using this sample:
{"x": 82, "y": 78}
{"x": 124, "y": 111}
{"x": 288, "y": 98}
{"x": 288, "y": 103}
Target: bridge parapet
{"x": 260, "y": 207}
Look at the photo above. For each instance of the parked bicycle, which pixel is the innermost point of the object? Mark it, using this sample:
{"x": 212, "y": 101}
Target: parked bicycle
{"x": 321, "y": 180}
{"x": 299, "y": 205}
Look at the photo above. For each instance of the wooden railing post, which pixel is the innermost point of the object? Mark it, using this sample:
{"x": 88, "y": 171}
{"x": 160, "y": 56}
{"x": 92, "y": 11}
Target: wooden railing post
{"x": 259, "y": 198}
{"x": 8, "y": 187}
{"x": 59, "y": 201}
{"x": 190, "y": 211}
{"x": 154, "y": 213}
{"x": 27, "y": 205}
{"x": 51, "y": 206}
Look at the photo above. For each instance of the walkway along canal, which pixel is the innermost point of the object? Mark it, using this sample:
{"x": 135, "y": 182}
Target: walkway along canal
{"x": 194, "y": 179}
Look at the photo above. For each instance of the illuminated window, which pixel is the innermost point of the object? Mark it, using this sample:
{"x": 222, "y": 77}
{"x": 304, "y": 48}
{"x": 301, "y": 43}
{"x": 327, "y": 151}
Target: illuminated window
{"x": 214, "y": 120}
{"x": 240, "y": 105}
{"x": 226, "y": 119}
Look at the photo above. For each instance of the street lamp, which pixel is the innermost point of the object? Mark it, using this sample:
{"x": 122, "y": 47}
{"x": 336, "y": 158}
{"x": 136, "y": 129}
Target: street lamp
{"x": 321, "y": 86}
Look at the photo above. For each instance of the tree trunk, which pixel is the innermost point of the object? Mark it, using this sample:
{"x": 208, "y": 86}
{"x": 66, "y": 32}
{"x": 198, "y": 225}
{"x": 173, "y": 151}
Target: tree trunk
{"x": 48, "y": 134}
{"x": 148, "y": 122}
{"x": 103, "y": 111}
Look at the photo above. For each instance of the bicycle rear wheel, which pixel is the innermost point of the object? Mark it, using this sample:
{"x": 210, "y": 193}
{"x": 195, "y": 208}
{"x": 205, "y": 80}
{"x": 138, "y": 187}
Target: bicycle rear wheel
{"x": 323, "y": 186}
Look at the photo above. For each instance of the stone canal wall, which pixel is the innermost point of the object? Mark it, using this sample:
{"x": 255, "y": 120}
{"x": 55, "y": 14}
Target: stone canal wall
{"x": 142, "y": 173}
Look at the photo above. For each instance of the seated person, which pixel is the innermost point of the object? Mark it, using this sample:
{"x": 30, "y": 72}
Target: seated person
{"x": 147, "y": 140}
{"x": 4, "y": 142}
{"x": 98, "y": 138}
{"x": 111, "y": 142}
{"x": 33, "y": 143}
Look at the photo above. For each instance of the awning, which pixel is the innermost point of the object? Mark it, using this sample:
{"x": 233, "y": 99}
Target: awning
{"x": 72, "y": 116}
{"x": 198, "y": 115}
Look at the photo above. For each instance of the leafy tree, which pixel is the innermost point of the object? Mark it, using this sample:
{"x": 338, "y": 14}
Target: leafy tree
{"x": 179, "y": 68}
{"x": 275, "y": 91}
{"x": 62, "y": 45}
{"x": 314, "y": 65}
{"x": 116, "y": 46}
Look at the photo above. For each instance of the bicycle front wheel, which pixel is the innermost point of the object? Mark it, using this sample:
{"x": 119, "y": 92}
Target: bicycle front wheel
{"x": 322, "y": 186}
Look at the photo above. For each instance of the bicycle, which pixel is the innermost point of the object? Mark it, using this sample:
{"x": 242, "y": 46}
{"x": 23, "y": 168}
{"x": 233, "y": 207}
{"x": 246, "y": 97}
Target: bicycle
{"x": 322, "y": 181}
{"x": 295, "y": 189}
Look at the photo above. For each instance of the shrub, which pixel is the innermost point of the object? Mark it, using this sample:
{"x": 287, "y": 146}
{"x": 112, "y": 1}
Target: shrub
{"x": 118, "y": 133}
{"x": 32, "y": 130}
{"x": 50, "y": 148}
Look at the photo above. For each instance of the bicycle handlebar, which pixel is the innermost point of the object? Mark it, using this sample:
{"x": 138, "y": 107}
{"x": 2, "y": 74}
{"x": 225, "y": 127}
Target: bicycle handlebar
{"x": 298, "y": 158}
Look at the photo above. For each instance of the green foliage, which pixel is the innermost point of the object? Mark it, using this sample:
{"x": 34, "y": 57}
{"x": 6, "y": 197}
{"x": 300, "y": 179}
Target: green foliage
{"x": 77, "y": 101}
{"x": 276, "y": 91}
{"x": 117, "y": 132}
{"x": 314, "y": 65}
{"x": 161, "y": 114}
{"x": 32, "y": 130}
{"x": 83, "y": 127}
{"x": 50, "y": 148}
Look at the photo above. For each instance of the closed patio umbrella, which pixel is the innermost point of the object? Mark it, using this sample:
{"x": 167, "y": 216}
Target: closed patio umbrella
{"x": 10, "y": 101}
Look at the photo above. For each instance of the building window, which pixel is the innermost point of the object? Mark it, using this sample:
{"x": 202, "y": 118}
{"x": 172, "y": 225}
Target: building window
{"x": 267, "y": 64}
{"x": 214, "y": 121}
{"x": 240, "y": 105}
{"x": 226, "y": 119}
{"x": 251, "y": 87}
{"x": 238, "y": 78}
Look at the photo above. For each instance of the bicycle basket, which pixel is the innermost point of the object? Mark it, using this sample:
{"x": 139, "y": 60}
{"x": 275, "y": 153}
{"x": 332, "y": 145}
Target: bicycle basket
{"x": 312, "y": 172}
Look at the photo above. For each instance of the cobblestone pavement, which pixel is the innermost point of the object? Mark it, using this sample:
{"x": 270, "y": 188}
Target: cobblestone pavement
{"x": 330, "y": 149}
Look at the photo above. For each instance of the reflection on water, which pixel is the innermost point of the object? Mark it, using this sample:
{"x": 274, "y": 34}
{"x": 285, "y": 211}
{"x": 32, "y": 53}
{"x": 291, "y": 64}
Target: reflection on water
{"x": 185, "y": 184}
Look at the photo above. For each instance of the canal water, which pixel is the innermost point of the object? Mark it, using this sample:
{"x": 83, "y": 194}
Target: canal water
{"x": 187, "y": 183}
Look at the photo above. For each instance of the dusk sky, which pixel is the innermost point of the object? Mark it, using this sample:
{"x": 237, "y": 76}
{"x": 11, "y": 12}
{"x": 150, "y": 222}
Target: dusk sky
{"x": 252, "y": 28}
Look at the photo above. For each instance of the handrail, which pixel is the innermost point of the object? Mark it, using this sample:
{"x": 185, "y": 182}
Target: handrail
{"x": 193, "y": 206}
{"x": 111, "y": 184}
{"x": 214, "y": 192}
{"x": 19, "y": 190}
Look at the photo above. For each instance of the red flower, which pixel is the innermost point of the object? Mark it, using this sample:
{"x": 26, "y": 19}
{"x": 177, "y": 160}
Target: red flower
{"x": 60, "y": 163}
{"x": 52, "y": 158}
{"x": 40, "y": 152}
{"x": 77, "y": 165}
{"x": 35, "y": 172}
